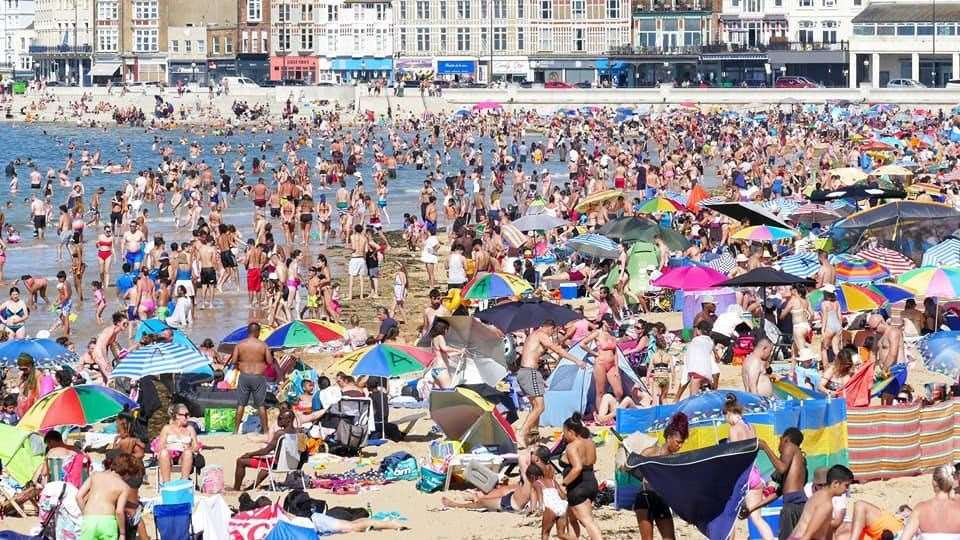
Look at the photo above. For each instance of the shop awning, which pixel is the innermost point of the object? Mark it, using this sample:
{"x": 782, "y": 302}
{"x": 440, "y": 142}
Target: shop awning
{"x": 104, "y": 70}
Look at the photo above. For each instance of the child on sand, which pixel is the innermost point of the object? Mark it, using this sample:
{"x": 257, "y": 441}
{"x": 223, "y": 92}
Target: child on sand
{"x": 399, "y": 293}
{"x": 99, "y": 302}
{"x": 818, "y": 520}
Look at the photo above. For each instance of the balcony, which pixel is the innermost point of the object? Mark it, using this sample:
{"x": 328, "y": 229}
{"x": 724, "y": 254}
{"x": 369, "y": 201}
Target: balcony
{"x": 666, "y": 6}
{"x": 793, "y": 46}
{"x": 627, "y": 50}
{"x": 61, "y": 50}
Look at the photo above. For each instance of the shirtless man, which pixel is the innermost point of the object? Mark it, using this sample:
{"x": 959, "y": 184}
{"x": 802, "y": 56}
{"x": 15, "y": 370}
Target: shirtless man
{"x": 791, "y": 466}
{"x": 253, "y": 261}
{"x": 358, "y": 261}
{"x": 827, "y": 275}
{"x": 36, "y": 287}
{"x": 107, "y": 342}
{"x": 754, "y": 372}
{"x": 38, "y": 212}
{"x": 64, "y": 303}
{"x": 529, "y": 377}
{"x": 314, "y": 308}
{"x": 103, "y": 498}
{"x": 436, "y": 308}
{"x": 252, "y": 357}
{"x": 208, "y": 256}
{"x": 133, "y": 244}
{"x": 259, "y": 194}
{"x": 887, "y": 349}
{"x": 818, "y": 521}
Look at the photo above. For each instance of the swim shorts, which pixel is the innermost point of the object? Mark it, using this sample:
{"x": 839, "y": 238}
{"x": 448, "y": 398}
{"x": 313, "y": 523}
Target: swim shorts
{"x": 254, "y": 280}
{"x": 358, "y": 266}
{"x": 208, "y": 276}
{"x": 99, "y": 528}
{"x": 251, "y": 387}
{"x": 134, "y": 259}
{"x": 531, "y": 382}
{"x": 655, "y": 506}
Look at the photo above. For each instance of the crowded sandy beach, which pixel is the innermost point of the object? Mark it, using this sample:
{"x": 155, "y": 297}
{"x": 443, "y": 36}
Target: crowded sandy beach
{"x": 285, "y": 318}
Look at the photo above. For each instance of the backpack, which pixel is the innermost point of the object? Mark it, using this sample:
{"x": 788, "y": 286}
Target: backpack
{"x": 347, "y": 513}
{"x": 400, "y": 466}
{"x": 299, "y": 503}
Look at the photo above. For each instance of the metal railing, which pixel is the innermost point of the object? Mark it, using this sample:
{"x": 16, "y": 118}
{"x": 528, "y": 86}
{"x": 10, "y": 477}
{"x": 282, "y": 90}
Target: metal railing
{"x": 60, "y": 49}
{"x": 717, "y": 48}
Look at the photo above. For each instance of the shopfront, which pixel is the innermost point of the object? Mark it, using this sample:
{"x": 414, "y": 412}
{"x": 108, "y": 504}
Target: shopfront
{"x": 511, "y": 69}
{"x": 300, "y": 68}
{"x": 361, "y": 69}
{"x": 220, "y": 68}
{"x": 187, "y": 71}
{"x": 457, "y": 69}
{"x": 568, "y": 71}
{"x": 254, "y": 66}
{"x": 414, "y": 68}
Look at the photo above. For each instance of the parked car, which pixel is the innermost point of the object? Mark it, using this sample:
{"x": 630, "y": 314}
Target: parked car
{"x": 795, "y": 82}
{"x": 239, "y": 82}
{"x": 584, "y": 84}
{"x": 905, "y": 83}
{"x": 557, "y": 84}
{"x": 953, "y": 83}
{"x": 526, "y": 84}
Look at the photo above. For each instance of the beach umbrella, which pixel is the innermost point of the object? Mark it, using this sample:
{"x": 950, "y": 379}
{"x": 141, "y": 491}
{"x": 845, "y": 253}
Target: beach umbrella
{"x": 594, "y": 245}
{"x": 940, "y": 353}
{"x": 160, "y": 358}
{"x": 746, "y": 212}
{"x": 597, "y": 198}
{"x": 298, "y": 334}
{"x": 697, "y": 195}
{"x": 933, "y": 190}
{"x": 150, "y": 327}
{"x": 630, "y": 229}
{"x": 689, "y": 278}
{"x": 848, "y": 175}
{"x": 891, "y": 170}
{"x": 385, "y": 360}
{"x": 539, "y": 222}
{"x": 514, "y": 237}
{"x": 230, "y": 340}
{"x": 46, "y": 353}
{"x": 875, "y": 146}
{"x": 851, "y": 298}
{"x": 857, "y": 193}
{"x": 465, "y": 416}
{"x": 764, "y": 276}
{"x": 708, "y": 407}
{"x": 764, "y": 233}
{"x": 21, "y": 453}
{"x": 490, "y": 285}
{"x": 79, "y": 405}
{"x": 524, "y": 314}
{"x": 814, "y": 213}
{"x": 804, "y": 264}
{"x": 857, "y": 270}
{"x": 724, "y": 263}
{"x": 892, "y": 260}
{"x": 486, "y": 348}
{"x": 781, "y": 206}
{"x": 930, "y": 281}
{"x": 659, "y": 205}
{"x": 892, "y": 293}
{"x": 896, "y": 212}
{"x": 946, "y": 253}
{"x": 487, "y": 105}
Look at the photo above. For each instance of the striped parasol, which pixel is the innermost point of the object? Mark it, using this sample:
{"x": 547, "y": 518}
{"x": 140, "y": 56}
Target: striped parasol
{"x": 161, "y": 358}
{"x": 725, "y": 262}
{"x": 892, "y": 260}
{"x": 937, "y": 282}
{"x": 804, "y": 264}
{"x": 851, "y": 298}
{"x": 946, "y": 253}
{"x": 512, "y": 235}
{"x": 594, "y": 245}
{"x": 597, "y": 198}
{"x": 857, "y": 270}
{"x": 814, "y": 213}
{"x": 764, "y": 233}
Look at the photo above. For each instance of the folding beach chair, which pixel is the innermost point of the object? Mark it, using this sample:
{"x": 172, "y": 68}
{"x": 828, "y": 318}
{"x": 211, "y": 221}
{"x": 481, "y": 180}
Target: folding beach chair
{"x": 174, "y": 521}
{"x": 285, "y": 459}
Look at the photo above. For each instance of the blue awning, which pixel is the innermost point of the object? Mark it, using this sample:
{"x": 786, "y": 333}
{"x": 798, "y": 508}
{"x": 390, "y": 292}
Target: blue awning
{"x": 361, "y": 64}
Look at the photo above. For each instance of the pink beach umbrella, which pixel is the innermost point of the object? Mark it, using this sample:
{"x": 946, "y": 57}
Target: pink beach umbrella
{"x": 484, "y": 105}
{"x": 689, "y": 278}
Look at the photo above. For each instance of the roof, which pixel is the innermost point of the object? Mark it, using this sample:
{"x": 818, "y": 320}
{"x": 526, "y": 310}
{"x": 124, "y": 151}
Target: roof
{"x": 912, "y": 12}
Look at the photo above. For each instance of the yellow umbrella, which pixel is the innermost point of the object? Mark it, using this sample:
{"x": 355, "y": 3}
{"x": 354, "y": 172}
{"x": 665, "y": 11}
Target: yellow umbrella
{"x": 848, "y": 175}
{"x": 891, "y": 170}
{"x": 599, "y": 197}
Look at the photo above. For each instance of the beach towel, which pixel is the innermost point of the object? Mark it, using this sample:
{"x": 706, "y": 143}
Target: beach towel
{"x": 255, "y": 524}
{"x": 293, "y": 528}
{"x": 704, "y": 487}
{"x": 211, "y": 516}
{"x": 857, "y": 389}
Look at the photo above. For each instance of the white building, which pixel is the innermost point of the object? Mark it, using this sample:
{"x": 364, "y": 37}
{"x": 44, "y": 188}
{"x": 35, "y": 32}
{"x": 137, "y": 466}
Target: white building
{"x": 64, "y": 40}
{"x": 16, "y": 20}
{"x": 893, "y": 40}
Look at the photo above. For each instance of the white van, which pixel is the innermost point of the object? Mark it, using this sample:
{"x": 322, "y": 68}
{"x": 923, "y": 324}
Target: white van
{"x": 234, "y": 83}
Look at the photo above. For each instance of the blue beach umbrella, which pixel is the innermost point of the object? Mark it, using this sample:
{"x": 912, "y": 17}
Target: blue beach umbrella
{"x": 940, "y": 352}
{"x": 45, "y": 352}
{"x": 161, "y": 358}
{"x": 805, "y": 264}
{"x": 157, "y": 326}
{"x": 594, "y": 245}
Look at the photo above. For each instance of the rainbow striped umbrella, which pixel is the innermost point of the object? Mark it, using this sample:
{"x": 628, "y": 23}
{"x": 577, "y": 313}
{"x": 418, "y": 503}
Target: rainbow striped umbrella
{"x": 299, "y": 334}
{"x": 894, "y": 261}
{"x": 857, "y": 270}
{"x": 933, "y": 281}
{"x": 659, "y": 205}
{"x": 765, "y": 233}
{"x": 893, "y": 293}
{"x": 851, "y": 298}
{"x": 489, "y": 285}
{"x": 79, "y": 405}
{"x": 386, "y": 360}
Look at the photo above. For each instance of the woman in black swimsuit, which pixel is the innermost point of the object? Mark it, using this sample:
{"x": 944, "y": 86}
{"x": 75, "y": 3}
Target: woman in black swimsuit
{"x": 579, "y": 457}
{"x": 649, "y": 507}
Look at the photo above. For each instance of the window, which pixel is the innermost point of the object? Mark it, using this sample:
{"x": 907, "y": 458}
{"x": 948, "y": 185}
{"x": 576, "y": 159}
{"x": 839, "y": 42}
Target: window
{"x": 500, "y": 38}
{"x": 546, "y": 9}
{"x": 578, "y": 8}
{"x": 443, "y": 39}
{"x": 805, "y": 33}
{"x": 946, "y": 29}
{"x": 521, "y": 43}
{"x": 463, "y": 9}
{"x": 924, "y": 29}
{"x": 403, "y": 8}
{"x": 381, "y": 39}
{"x": 107, "y": 39}
{"x": 201, "y": 46}
{"x": 146, "y": 40}
{"x": 886, "y": 29}
{"x": 829, "y": 3}
{"x": 908, "y": 29}
{"x": 864, "y": 29}
{"x": 403, "y": 39}
{"x": 332, "y": 42}
{"x": 806, "y": 3}
{"x": 578, "y": 39}
{"x": 691, "y": 31}
{"x": 107, "y": 11}
{"x": 283, "y": 12}
{"x": 858, "y": 2}
{"x": 443, "y": 9}
{"x": 228, "y": 44}
{"x": 283, "y": 41}
{"x": 423, "y": 9}
{"x": 520, "y": 8}
{"x": 334, "y": 11}
{"x": 484, "y": 40}
{"x": 306, "y": 39}
{"x": 381, "y": 12}
{"x": 264, "y": 42}
{"x": 254, "y": 10}
{"x": 546, "y": 39}
{"x": 753, "y": 6}
{"x": 463, "y": 39}
{"x": 423, "y": 39}
{"x": 175, "y": 45}
{"x": 187, "y": 45}
{"x": 245, "y": 42}
{"x": 145, "y": 10}
{"x": 646, "y": 33}
{"x": 499, "y": 9}
{"x": 778, "y": 3}
{"x": 613, "y": 9}
{"x": 306, "y": 12}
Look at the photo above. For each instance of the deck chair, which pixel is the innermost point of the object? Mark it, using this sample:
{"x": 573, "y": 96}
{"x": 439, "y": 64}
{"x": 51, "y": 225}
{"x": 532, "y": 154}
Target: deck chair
{"x": 174, "y": 521}
{"x": 352, "y": 421}
{"x": 285, "y": 459}
{"x": 8, "y": 497}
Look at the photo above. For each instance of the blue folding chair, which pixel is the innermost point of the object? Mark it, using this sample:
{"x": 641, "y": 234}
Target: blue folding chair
{"x": 174, "y": 521}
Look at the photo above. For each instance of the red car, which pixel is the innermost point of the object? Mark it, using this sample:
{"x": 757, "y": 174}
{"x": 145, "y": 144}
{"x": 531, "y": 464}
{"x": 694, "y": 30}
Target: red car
{"x": 795, "y": 82}
{"x": 557, "y": 84}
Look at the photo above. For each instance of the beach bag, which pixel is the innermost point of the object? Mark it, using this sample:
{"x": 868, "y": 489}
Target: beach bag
{"x": 430, "y": 480}
{"x": 219, "y": 420}
{"x": 299, "y": 503}
{"x": 400, "y": 466}
{"x": 347, "y": 513}
{"x": 211, "y": 480}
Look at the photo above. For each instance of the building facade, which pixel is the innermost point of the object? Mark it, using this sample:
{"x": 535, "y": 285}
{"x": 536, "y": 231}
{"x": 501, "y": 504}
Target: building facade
{"x": 63, "y": 46}
{"x": 354, "y": 41}
{"x": 16, "y": 26}
{"x": 253, "y": 38}
{"x": 894, "y": 40}
{"x": 667, "y": 39}
{"x": 187, "y": 55}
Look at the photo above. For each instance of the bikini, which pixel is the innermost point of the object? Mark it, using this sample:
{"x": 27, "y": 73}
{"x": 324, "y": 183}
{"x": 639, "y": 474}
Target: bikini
{"x": 104, "y": 249}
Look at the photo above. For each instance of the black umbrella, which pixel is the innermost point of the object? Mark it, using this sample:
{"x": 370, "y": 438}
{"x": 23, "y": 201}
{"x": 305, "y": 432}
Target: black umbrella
{"x": 746, "y": 212}
{"x": 629, "y": 229}
{"x": 514, "y": 316}
{"x": 898, "y": 211}
{"x": 857, "y": 192}
{"x": 764, "y": 276}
